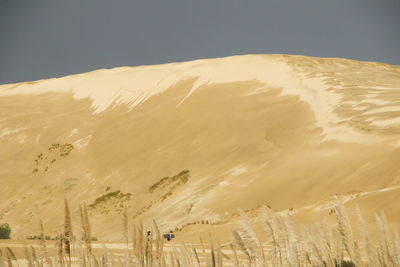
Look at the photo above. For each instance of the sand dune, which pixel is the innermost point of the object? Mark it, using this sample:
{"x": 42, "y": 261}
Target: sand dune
{"x": 287, "y": 131}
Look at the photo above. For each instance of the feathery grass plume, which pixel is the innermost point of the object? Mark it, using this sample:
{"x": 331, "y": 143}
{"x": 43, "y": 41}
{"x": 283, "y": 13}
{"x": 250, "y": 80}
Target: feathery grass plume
{"x": 273, "y": 243}
{"x": 125, "y": 225}
{"x": 103, "y": 261}
{"x": 126, "y": 258}
{"x": 83, "y": 230}
{"x": 27, "y": 255}
{"x": 273, "y": 229}
{"x": 196, "y": 257}
{"x": 364, "y": 236}
{"x": 68, "y": 235}
{"x": 220, "y": 255}
{"x": 112, "y": 261}
{"x": 12, "y": 255}
{"x": 212, "y": 254}
{"x": 282, "y": 233}
{"x": 159, "y": 243}
{"x": 95, "y": 261}
{"x": 151, "y": 252}
{"x": 9, "y": 261}
{"x": 189, "y": 254}
{"x": 235, "y": 256}
{"x": 316, "y": 251}
{"x": 105, "y": 256}
{"x": 384, "y": 249}
{"x": 141, "y": 244}
{"x": 344, "y": 227}
{"x": 184, "y": 256}
{"x": 326, "y": 240}
{"x": 357, "y": 255}
{"x": 241, "y": 245}
{"x": 396, "y": 246}
{"x": 1, "y": 259}
{"x": 306, "y": 247}
{"x": 250, "y": 238}
{"x": 381, "y": 245}
{"x": 319, "y": 240}
{"x": 387, "y": 237}
{"x": 204, "y": 252}
{"x": 88, "y": 229}
{"x": 85, "y": 225}
{"x": 44, "y": 255}
{"x": 292, "y": 238}
{"x": 136, "y": 246}
{"x": 156, "y": 232}
{"x": 34, "y": 257}
{"x": 337, "y": 245}
{"x": 82, "y": 217}
{"x": 78, "y": 247}
{"x": 134, "y": 240}
{"x": 59, "y": 249}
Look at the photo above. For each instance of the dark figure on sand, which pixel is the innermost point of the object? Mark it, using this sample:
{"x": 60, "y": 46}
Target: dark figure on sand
{"x": 169, "y": 236}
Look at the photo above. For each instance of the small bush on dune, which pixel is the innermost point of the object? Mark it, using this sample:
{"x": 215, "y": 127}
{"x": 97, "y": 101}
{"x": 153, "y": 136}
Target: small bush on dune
{"x": 109, "y": 196}
{"x": 5, "y": 231}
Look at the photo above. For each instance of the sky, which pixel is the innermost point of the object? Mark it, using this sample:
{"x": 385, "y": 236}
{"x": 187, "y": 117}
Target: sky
{"x": 53, "y": 38}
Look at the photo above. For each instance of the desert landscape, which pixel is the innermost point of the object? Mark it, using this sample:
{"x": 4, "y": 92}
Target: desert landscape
{"x": 269, "y": 160}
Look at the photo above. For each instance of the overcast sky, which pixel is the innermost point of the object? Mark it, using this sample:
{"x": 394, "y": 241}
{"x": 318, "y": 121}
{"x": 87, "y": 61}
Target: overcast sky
{"x": 52, "y": 38}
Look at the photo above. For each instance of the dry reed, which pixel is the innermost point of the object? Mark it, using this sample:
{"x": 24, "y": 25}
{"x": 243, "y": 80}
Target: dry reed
{"x": 286, "y": 244}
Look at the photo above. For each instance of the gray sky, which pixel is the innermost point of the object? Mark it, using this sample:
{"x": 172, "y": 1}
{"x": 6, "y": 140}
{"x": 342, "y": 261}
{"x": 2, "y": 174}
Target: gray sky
{"x": 52, "y": 38}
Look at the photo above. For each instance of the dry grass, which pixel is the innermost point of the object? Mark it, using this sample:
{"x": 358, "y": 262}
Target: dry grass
{"x": 287, "y": 245}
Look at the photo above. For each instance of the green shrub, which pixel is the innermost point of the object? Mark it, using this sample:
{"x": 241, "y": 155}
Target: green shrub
{"x": 5, "y": 231}
{"x": 111, "y": 195}
{"x": 158, "y": 184}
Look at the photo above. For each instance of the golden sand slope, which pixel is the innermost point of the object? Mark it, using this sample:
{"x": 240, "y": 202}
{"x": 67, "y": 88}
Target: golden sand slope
{"x": 286, "y": 131}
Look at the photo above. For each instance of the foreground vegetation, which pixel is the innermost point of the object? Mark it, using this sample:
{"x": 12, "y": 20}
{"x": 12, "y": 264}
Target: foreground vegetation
{"x": 287, "y": 245}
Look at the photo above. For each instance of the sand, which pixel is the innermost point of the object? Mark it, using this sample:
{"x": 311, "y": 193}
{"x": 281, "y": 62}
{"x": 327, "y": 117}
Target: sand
{"x": 287, "y": 131}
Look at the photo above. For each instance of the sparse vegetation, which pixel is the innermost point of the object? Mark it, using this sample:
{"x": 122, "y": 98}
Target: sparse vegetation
{"x": 189, "y": 209}
{"x": 70, "y": 183}
{"x": 121, "y": 197}
{"x": 158, "y": 184}
{"x": 62, "y": 149}
{"x": 5, "y": 231}
{"x": 143, "y": 209}
{"x": 204, "y": 222}
{"x": 169, "y": 183}
{"x": 174, "y": 182}
{"x": 181, "y": 178}
{"x": 43, "y": 160}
